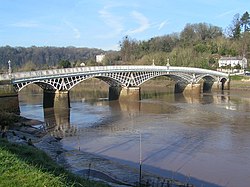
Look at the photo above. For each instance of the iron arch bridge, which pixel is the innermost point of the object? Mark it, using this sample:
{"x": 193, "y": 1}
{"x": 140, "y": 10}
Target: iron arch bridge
{"x": 115, "y": 76}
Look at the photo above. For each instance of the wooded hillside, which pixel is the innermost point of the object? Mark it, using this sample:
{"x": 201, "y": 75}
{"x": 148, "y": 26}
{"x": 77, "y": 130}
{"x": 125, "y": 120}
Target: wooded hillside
{"x": 32, "y": 58}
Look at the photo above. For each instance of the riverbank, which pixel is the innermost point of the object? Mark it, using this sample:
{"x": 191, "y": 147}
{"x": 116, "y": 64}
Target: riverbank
{"x": 30, "y": 134}
{"x": 242, "y": 84}
{"x": 22, "y": 164}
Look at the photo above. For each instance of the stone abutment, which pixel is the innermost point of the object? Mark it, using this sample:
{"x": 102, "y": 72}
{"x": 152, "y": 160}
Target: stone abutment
{"x": 56, "y": 99}
{"x": 125, "y": 93}
{"x": 8, "y": 98}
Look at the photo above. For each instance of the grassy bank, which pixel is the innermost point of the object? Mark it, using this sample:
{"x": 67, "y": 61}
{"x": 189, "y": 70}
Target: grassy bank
{"x": 22, "y": 165}
{"x": 240, "y": 82}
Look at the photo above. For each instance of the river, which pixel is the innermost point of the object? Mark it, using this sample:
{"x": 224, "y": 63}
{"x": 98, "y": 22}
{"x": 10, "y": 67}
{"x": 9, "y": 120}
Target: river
{"x": 203, "y": 140}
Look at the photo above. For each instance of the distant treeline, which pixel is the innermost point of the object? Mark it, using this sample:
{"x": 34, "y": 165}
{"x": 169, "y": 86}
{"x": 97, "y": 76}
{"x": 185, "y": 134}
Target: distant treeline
{"x": 44, "y": 57}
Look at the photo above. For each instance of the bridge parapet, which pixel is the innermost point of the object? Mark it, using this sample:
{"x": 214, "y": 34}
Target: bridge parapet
{"x": 110, "y": 69}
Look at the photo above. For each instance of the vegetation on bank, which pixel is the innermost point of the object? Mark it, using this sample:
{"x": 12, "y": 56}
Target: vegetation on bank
{"x": 8, "y": 119}
{"x": 22, "y": 165}
{"x": 239, "y": 77}
{"x": 239, "y": 82}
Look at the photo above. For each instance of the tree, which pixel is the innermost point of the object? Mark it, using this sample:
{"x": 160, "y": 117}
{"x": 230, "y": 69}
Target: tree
{"x": 206, "y": 31}
{"x": 188, "y": 35}
{"x": 244, "y": 45}
{"x": 128, "y": 49}
{"x": 234, "y": 30}
{"x": 162, "y": 43}
{"x": 200, "y": 32}
{"x": 200, "y": 48}
{"x": 112, "y": 58}
{"x": 28, "y": 66}
{"x": 245, "y": 22}
{"x": 64, "y": 64}
{"x": 238, "y": 66}
{"x": 43, "y": 57}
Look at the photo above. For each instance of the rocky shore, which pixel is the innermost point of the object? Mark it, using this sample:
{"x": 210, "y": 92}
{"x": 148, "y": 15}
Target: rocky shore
{"x": 87, "y": 165}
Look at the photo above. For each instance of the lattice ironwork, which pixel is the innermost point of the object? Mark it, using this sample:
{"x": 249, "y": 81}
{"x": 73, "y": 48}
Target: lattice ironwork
{"x": 124, "y": 76}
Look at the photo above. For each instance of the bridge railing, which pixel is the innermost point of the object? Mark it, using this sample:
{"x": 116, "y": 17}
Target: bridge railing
{"x": 98, "y": 69}
{"x": 90, "y": 69}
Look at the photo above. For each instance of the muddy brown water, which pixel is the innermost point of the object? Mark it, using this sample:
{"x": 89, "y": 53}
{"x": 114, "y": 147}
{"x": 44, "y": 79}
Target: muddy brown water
{"x": 203, "y": 140}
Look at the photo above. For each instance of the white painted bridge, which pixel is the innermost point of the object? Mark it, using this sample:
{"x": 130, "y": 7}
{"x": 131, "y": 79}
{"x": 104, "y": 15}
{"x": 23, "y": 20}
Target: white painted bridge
{"x": 122, "y": 76}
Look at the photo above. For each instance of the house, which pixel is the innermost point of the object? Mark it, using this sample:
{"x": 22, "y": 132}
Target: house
{"x": 99, "y": 58}
{"x": 232, "y": 62}
{"x": 82, "y": 64}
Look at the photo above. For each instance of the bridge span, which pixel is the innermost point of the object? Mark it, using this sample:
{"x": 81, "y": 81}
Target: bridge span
{"x": 124, "y": 81}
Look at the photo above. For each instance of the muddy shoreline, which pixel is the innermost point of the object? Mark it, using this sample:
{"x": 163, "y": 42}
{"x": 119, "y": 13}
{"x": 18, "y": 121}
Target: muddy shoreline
{"x": 31, "y": 132}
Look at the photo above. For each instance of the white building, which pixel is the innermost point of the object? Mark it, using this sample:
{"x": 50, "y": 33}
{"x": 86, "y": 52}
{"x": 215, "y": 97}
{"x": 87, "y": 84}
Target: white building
{"x": 99, "y": 58}
{"x": 233, "y": 61}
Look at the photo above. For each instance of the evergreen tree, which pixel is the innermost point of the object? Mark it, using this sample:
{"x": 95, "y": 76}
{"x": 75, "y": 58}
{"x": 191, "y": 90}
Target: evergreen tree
{"x": 234, "y": 30}
{"x": 245, "y": 22}
{"x": 64, "y": 64}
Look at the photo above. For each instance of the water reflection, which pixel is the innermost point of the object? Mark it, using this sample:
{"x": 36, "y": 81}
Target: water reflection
{"x": 204, "y": 98}
{"x": 57, "y": 121}
{"x": 205, "y": 137}
{"x": 119, "y": 114}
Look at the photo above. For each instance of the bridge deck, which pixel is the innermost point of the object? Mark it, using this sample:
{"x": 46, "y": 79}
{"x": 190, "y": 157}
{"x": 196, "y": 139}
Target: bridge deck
{"x": 100, "y": 69}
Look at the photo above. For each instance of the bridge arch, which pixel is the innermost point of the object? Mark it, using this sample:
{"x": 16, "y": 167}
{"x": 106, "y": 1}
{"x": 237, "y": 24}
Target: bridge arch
{"x": 224, "y": 83}
{"x": 211, "y": 82}
{"x": 41, "y": 84}
{"x": 207, "y": 82}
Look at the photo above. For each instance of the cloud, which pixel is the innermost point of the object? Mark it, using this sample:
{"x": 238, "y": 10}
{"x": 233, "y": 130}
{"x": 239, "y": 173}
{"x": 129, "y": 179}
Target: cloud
{"x": 26, "y": 24}
{"x": 225, "y": 14}
{"x": 111, "y": 20}
{"x": 162, "y": 24}
{"x": 76, "y": 31}
{"x": 113, "y": 16}
{"x": 143, "y": 23}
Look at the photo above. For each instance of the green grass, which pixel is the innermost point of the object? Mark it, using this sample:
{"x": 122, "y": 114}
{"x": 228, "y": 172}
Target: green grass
{"x": 239, "y": 77}
{"x": 22, "y": 166}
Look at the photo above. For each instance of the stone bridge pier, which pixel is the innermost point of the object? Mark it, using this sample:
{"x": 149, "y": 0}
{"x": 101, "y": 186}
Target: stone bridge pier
{"x": 197, "y": 88}
{"x": 8, "y": 98}
{"x": 56, "y": 99}
{"x": 191, "y": 88}
{"x": 124, "y": 93}
{"x": 61, "y": 99}
{"x": 223, "y": 85}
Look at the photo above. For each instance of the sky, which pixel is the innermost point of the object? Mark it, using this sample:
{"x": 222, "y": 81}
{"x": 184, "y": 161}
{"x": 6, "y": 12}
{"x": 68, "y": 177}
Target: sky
{"x": 104, "y": 23}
